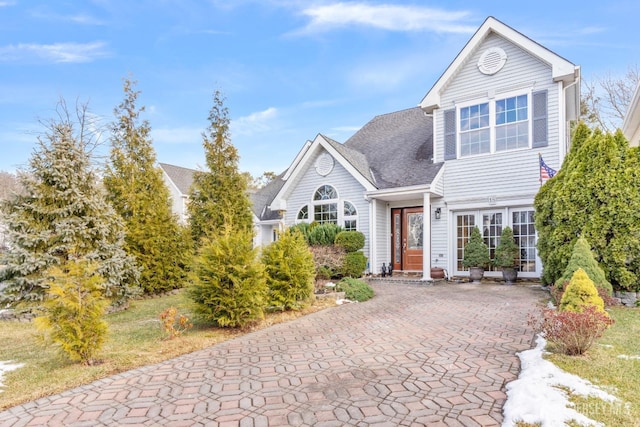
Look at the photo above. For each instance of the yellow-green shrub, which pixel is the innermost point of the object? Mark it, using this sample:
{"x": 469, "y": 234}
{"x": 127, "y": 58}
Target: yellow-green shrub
{"x": 580, "y": 293}
{"x": 71, "y": 314}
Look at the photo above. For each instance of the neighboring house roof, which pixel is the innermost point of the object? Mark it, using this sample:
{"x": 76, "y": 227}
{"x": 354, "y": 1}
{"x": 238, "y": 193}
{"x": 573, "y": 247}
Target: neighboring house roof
{"x": 631, "y": 124}
{"x": 398, "y": 148}
{"x": 181, "y": 177}
{"x": 262, "y": 198}
{"x": 561, "y": 69}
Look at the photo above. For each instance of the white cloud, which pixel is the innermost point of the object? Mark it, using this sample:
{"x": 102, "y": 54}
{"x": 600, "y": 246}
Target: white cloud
{"x": 7, "y": 3}
{"x": 258, "y": 122}
{"x": 56, "y": 52}
{"x": 386, "y": 17}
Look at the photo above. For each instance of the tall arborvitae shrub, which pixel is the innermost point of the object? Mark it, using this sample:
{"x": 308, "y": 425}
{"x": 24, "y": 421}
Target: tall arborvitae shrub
{"x": 61, "y": 212}
{"x": 594, "y": 195}
{"x": 137, "y": 191}
{"x": 290, "y": 271}
{"x": 229, "y": 283}
{"x": 71, "y": 315}
{"x": 580, "y": 293}
{"x": 582, "y": 257}
{"x": 218, "y": 197}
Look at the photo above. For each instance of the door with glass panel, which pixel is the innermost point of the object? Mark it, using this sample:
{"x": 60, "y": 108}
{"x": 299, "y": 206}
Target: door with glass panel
{"x": 407, "y": 238}
{"x": 491, "y": 224}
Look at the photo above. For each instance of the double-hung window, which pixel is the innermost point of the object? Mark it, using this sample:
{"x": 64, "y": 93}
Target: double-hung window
{"x": 493, "y": 126}
{"x": 475, "y": 136}
{"x": 512, "y": 123}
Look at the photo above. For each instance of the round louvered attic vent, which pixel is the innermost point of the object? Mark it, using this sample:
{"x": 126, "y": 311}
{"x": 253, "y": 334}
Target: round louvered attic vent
{"x": 492, "y": 60}
{"x": 324, "y": 164}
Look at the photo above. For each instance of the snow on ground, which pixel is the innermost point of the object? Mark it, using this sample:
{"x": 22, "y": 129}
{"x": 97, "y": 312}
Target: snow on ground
{"x": 535, "y": 397}
{"x": 6, "y": 367}
{"x": 626, "y": 357}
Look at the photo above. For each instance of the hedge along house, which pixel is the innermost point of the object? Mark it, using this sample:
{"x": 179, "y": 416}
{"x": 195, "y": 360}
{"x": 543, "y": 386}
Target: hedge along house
{"x": 417, "y": 181}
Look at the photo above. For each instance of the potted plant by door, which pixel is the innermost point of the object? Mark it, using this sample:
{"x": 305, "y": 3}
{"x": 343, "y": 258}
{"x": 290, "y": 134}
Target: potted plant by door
{"x": 476, "y": 256}
{"x": 507, "y": 255}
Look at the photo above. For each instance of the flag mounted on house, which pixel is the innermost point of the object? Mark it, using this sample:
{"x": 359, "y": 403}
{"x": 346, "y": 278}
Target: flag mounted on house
{"x": 545, "y": 171}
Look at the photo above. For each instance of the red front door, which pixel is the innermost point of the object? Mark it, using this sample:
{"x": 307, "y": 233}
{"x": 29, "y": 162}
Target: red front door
{"x": 407, "y": 238}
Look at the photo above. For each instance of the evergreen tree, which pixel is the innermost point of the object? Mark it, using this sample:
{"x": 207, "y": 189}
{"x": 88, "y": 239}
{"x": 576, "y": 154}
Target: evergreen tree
{"x": 290, "y": 271}
{"x": 595, "y": 195}
{"x": 581, "y": 293}
{"x": 62, "y": 211}
{"x": 219, "y": 195}
{"x": 229, "y": 283}
{"x": 582, "y": 257}
{"x": 71, "y": 315}
{"x": 137, "y": 191}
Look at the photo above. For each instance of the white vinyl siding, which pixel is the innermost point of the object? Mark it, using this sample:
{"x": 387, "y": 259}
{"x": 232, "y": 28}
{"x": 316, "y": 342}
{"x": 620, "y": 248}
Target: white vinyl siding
{"x": 346, "y": 186}
{"x": 499, "y": 180}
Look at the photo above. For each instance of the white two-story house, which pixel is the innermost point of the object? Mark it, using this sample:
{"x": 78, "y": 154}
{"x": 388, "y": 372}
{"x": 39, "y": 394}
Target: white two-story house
{"x": 417, "y": 181}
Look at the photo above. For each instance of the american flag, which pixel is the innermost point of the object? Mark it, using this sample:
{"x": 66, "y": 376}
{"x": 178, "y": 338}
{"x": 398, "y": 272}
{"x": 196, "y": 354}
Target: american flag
{"x": 545, "y": 171}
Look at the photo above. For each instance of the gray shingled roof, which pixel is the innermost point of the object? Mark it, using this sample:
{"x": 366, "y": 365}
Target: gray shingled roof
{"x": 181, "y": 177}
{"x": 262, "y": 198}
{"x": 392, "y": 150}
{"x": 355, "y": 158}
{"x": 398, "y": 147}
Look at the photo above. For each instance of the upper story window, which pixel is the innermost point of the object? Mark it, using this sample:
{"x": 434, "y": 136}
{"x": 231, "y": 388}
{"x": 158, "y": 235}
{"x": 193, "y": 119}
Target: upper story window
{"x": 506, "y": 123}
{"x": 512, "y": 123}
{"x": 475, "y": 135}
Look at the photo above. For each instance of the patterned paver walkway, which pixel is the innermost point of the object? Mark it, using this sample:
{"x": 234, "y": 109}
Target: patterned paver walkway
{"x": 414, "y": 355}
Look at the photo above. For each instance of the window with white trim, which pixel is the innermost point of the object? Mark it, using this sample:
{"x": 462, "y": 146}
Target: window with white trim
{"x": 350, "y": 216}
{"x": 491, "y": 223}
{"x": 475, "y": 135}
{"x": 512, "y": 123}
{"x": 325, "y": 205}
{"x": 303, "y": 213}
{"x": 497, "y": 125}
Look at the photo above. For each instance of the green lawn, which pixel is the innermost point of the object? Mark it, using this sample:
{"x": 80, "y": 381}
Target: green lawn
{"x": 136, "y": 338}
{"x": 613, "y": 364}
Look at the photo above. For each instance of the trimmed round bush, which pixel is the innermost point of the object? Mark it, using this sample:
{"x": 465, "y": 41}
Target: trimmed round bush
{"x": 351, "y": 241}
{"x": 354, "y": 264}
{"x": 355, "y": 290}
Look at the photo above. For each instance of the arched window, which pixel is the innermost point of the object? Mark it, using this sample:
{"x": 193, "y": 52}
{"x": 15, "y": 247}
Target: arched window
{"x": 325, "y": 192}
{"x": 350, "y": 216}
{"x": 303, "y": 213}
{"x": 325, "y": 206}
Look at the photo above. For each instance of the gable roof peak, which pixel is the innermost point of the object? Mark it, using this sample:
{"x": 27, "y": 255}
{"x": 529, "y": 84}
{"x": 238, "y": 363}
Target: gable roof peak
{"x": 561, "y": 69}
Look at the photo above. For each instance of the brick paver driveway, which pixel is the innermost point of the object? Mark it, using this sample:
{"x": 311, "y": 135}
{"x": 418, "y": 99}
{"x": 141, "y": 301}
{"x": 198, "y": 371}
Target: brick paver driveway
{"x": 413, "y": 355}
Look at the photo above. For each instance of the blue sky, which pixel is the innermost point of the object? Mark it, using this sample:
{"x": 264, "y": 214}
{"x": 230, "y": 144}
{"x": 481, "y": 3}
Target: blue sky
{"x": 289, "y": 69}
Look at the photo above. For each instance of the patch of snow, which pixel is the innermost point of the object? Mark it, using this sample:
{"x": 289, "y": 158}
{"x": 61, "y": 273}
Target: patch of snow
{"x": 535, "y": 397}
{"x": 344, "y": 301}
{"x": 6, "y": 367}
{"x": 626, "y": 357}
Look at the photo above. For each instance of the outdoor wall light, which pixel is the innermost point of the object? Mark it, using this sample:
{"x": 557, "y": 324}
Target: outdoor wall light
{"x": 438, "y": 213}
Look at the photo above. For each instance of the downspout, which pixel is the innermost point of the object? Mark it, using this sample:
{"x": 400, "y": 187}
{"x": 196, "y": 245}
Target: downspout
{"x": 564, "y": 121}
